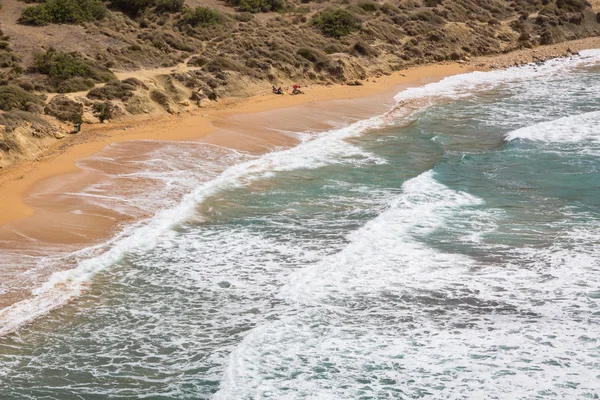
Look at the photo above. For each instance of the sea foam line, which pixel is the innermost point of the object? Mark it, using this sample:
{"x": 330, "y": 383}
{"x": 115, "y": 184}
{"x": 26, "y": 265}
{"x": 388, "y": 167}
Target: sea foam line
{"x": 570, "y": 129}
{"x": 325, "y": 149}
{"x": 66, "y": 285}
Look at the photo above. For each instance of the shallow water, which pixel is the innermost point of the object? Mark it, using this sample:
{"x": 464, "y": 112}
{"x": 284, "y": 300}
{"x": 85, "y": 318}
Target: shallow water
{"x": 453, "y": 252}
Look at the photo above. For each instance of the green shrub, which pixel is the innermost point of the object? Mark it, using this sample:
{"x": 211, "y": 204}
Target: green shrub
{"x": 15, "y": 118}
{"x": 136, "y": 7}
{"x": 202, "y": 16}
{"x": 15, "y": 97}
{"x": 336, "y": 22}
{"x": 135, "y": 82}
{"x": 256, "y": 6}
{"x": 61, "y": 65}
{"x": 104, "y": 111}
{"x": 113, "y": 90}
{"x": 160, "y": 97}
{"x": 220, "y": 64}
{"x": 69, "y": 72}
{"x": 197, "y": 61}
{"x": 169, "y": 6}
{"x": 35, "y": 16}
{"x": 368, "y": 5}
{"x": 133, "y": 7}
{"x": 65, "y": 109}
{"x": 572, "y": 5}
{"x": 64, "y": 12}
{"x": 74, "y": 84}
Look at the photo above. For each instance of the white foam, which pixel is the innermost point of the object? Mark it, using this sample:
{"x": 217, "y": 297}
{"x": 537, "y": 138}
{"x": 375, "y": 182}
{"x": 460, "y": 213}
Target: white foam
{"x": 388, "y": 315}
{"x": 459, "y": 86}
{"x": 330, "y": 148}
{"x": 571, "y": 129}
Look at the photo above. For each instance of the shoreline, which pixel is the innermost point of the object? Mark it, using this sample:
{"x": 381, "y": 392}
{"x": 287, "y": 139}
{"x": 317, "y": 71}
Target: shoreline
{"x": 47, "y": 212}
{"x": 18, "y": 181}
{"x": 256, "y": 125}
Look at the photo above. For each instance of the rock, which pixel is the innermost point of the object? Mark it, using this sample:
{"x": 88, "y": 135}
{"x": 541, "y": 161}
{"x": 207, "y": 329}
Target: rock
{"x": 184, "y": 103}
{"x": 58, "y": 135}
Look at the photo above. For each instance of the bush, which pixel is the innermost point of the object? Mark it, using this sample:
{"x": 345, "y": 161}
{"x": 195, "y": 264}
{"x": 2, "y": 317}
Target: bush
{"x": 572, "y": 5}
{"x": 14, "y": 97}
{"x": 133, "y": 7}
{"x": 136, "y": 7}
{"x": 169, "y": 6}
{"x": 368, "y": 5}
{"x": 65, "y": 109}
{"x": 74, "y": 84}
{"x": 219, "y": 64}
{"x": 60, "y": 65}
{"x": 113, "y": 90}
{"x": 256, "y": 6}
{"x": 135, "y": 82}
{"x": 15, "y": 118}
{"x": 336, "y": 23}
{"x": 160, "y": 98}
{"x": 70, "y": 70}
{"x": 202, "y": 16}
{"x": 197, "y": 61}
{"x": 104, "y": 111}
{"x": 64, "y": 12}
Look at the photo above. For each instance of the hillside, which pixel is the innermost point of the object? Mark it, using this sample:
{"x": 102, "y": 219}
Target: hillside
{"x": 65, "y": 61}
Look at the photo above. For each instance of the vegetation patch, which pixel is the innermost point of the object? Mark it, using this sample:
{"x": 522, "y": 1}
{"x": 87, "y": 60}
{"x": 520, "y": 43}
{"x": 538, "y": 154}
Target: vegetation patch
{"x": 160, "y": 97}
{"x": 113, "y": 90}
{"x": 70, "y": 72}
{"x": 104, "y": 111}
{"x": 15, "y": 118}
{"x": 15, "y": 97}
{"x": 137, "y": 7}
{"x": 64, "y": 12}
{"x": 201, "y": 16}
{"x": 336, "y": 22}
{"x": 256, "y": 6}
{"x": 65, "y": 109}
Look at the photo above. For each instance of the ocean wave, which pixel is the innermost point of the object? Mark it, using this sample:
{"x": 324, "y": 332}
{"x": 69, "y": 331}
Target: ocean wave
{"x": 390, "y": 316}
{"x": 459, "y": 86}
{"x": 570, "y": 129}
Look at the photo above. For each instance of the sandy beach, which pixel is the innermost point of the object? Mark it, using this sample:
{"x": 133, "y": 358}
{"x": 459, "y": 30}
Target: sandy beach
{"x": 40, "y": 208}
{"x": 43, "y": 206}
{"x": 18, "y": 182}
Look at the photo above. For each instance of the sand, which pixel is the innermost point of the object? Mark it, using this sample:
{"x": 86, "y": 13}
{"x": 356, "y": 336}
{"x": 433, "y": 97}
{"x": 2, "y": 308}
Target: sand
{"x": 36, "y": 216}
{"x": 19, "y": 181}
{"x": 43, "y": 208}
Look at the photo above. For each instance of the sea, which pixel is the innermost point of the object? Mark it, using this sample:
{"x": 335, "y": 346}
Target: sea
{"x": 446, "y": 249}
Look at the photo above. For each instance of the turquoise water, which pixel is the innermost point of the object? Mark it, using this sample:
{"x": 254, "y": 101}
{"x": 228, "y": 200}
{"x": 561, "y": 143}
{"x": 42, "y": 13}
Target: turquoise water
{"x": 450, "y": 253}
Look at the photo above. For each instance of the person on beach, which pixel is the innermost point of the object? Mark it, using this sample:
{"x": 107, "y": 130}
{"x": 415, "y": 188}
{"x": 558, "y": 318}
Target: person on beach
{"x": 297, "y": 90}
{"x": 277, "y": 90}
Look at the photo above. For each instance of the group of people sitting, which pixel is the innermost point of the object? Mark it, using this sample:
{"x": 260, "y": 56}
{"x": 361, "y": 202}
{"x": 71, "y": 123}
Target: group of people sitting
{"x": 295, "y": 91}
